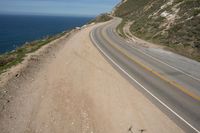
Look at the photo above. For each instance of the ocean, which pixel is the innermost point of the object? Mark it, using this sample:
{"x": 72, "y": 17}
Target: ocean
{"x": 15, "y": 30}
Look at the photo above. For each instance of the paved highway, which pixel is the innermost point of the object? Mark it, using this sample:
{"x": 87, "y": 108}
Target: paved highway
{"x": 169, "y": 85}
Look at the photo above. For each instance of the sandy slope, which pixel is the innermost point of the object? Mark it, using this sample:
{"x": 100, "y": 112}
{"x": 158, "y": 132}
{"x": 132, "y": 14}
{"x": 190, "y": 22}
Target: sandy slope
{"x": 77, "y": 91}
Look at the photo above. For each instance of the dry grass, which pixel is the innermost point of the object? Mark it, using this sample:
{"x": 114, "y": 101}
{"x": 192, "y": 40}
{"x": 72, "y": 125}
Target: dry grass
{"x": 12, "y": 58}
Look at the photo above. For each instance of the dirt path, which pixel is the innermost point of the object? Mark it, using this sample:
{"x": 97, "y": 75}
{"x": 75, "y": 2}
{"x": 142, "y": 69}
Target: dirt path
{"x": 136, "y": 40}
{"x": 77, "y": 91}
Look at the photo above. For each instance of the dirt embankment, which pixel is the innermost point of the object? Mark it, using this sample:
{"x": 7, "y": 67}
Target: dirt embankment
{"x": 75, "y": 90}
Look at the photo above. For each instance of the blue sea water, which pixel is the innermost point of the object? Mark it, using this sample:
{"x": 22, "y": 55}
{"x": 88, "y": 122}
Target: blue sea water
{"x": 15, "y": 30}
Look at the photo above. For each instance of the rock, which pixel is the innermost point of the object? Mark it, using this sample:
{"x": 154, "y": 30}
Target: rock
{"x": 17, "y": 75}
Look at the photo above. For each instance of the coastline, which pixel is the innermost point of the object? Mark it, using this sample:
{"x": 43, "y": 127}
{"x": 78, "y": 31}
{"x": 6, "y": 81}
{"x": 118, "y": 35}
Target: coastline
{"x": 32, "y": 51}
{"x": 14, "y": 57}
{"x": 30, "y": 58}
{"x": 16, "y": 30}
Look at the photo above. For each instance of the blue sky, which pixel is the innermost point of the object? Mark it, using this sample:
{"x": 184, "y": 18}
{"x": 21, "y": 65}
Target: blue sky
{"x": 57, "y": 7}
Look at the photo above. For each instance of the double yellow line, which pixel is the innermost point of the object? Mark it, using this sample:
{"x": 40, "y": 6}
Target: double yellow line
{"x": 173, "y": 83}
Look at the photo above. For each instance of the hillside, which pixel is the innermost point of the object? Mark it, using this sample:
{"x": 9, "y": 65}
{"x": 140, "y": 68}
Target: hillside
{"x": 174, "y": 23}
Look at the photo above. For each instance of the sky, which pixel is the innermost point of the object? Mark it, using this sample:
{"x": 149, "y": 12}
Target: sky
{"x": 57, "y": 7}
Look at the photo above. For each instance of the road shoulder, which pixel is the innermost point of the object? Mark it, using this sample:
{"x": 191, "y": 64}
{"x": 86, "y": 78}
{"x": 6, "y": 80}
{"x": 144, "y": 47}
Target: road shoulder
{"x": 79, "y": 91}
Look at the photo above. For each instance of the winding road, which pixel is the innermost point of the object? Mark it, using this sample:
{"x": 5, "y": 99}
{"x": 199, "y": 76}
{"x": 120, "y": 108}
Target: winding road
{"x": 170, "y": 81}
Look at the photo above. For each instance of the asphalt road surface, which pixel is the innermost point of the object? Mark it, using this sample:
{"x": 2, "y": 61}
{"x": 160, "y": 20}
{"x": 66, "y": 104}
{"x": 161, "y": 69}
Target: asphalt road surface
{"x": 171, "y": 81}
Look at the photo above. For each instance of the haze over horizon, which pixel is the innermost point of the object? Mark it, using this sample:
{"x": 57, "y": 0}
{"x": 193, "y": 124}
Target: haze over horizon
{"x": 59, "y": 7}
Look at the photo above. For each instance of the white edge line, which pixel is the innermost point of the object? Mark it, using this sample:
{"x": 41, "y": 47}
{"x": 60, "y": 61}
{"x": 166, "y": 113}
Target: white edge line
{"x": 142, "y": 85}
{"x": 177, "y": 69}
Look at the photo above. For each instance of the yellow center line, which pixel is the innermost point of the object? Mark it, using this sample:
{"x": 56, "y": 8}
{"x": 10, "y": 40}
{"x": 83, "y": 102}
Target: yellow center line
{"x": 173, "y": 83}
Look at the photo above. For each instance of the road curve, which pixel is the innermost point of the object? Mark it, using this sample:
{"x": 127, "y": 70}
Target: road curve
{"x": 171, "y": 88}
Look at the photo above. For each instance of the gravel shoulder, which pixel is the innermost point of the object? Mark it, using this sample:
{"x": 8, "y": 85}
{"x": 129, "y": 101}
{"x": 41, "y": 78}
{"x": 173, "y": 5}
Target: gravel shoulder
{"x": 70, "y": 87}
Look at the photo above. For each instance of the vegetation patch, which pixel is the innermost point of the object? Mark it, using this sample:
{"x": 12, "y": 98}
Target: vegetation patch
{"x": 12, "y": 58}
{"x": 101, "y": 18}
{"x": 173, "y": 23}
{"x": 120, "y": 29}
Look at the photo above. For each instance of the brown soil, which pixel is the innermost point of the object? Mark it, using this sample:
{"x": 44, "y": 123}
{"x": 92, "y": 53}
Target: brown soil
{"x": 68, "y": 87}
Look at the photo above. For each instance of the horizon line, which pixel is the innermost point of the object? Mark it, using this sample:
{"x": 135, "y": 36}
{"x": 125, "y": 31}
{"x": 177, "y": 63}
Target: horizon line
{"x": 56, "y": 15}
